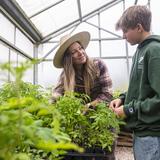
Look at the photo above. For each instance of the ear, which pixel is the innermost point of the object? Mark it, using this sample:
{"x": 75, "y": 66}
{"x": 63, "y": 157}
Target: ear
{"x": 139, "y": 27}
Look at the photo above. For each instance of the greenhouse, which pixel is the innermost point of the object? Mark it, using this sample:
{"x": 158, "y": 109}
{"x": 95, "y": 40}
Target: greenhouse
{"x": 30, "y": 33}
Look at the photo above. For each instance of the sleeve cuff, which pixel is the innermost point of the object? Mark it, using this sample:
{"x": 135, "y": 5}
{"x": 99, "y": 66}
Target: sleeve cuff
{"x": 122, "y": 97}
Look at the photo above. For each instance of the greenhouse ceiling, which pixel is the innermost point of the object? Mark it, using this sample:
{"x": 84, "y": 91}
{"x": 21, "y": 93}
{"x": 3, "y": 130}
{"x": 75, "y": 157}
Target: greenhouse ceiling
{"x": 42, "y": 20}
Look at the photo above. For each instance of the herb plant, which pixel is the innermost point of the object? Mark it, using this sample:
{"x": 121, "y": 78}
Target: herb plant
{"x": 83, "y": 129}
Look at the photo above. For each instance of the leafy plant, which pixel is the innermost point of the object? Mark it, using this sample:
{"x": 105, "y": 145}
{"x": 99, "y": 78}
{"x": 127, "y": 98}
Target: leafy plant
{"x": 83, "y": 129}
{"x": 25, "y": 89}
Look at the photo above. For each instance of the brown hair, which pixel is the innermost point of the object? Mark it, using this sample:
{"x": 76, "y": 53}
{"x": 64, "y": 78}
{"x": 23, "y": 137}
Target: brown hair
{"x": 135, "y": 15}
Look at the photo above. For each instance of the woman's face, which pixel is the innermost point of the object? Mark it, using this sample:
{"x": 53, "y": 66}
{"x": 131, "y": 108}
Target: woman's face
{"x": 78, "y": 53}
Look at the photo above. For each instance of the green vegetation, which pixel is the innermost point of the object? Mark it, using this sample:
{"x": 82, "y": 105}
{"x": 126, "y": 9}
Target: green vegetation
{"x": 98, "y": 128}
{"x": 33, "y": 129}
{"x": 29, "y": 125}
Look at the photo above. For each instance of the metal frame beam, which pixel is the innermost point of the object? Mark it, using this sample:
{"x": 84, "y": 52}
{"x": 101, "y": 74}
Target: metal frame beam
{"x": 11, "y": 7}
{"x": 79, "y": 9}
{"x": 13, "y": 47}
{"x": 111, "y": 57}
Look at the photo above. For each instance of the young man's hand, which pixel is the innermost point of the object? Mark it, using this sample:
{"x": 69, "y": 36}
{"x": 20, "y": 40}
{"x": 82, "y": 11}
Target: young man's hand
{"x": 117, "y": 107}
{"x": 115, "y": 103}
{"x": 119, "y": 111}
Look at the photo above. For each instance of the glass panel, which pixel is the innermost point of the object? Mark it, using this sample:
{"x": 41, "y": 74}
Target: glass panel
{"x": 129, "y": 3}
{"x": 93, "y": 20}
{"x": 14, "y": 60}
{"x": 131, "y": 49}
{"x": 93, "y": 49}
{"x": 13, "y": 57}
{"x": 33, "y": 6}
{"x": 4, "y": 52}
{"x": 46, "y": 48}
{"x": 56, "y": 17}
{"x": 139, "y": 2}
{"x": 48, "y": 75}
{"x": 88, "y": 6}
{"x": 28, "y": 75}
{"x": 143, "y": 2}
{"x": 155, "y": 17}
{"x": 87, "y": 27}
{"x": 57, "y": 38}
{"x": 120, "y": 81}
{"x": 110, "y": 34}
{"x": 110, "y": 17}
{"x": 6, "y": 29}
{"x": 113, "y": 48}
{"x": 24, "y": 43}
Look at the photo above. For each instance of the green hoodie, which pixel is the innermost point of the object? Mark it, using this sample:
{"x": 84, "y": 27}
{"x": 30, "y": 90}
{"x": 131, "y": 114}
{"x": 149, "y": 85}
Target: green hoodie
{"x": 142, "y": 100}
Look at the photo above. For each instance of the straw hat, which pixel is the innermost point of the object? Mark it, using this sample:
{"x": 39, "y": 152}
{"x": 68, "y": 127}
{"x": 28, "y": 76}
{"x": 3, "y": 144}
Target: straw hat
{"x": 65, "y": 42}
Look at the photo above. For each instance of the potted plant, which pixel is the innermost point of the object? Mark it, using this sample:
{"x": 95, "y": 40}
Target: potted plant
{"x": 95, "y": 131}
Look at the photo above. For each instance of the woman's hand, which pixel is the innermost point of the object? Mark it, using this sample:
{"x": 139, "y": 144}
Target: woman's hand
{"x": 86, "y": 108}
{"x": 119, "y": 111}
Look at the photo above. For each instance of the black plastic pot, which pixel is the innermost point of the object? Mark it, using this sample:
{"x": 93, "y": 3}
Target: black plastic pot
{"x": 90, "y": 154}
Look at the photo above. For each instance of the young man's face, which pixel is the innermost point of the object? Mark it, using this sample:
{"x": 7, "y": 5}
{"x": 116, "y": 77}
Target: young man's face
{"x": 133, "y": 36}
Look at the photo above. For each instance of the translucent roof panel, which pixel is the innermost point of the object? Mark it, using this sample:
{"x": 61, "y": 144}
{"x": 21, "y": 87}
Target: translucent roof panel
{"x": 31, "y": 7}
{"x": 88, "y": 6}
{"x": 54, "y": 17}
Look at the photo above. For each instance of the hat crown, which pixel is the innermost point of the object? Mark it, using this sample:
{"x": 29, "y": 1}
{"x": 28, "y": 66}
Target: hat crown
{"x": 64, "y": 39}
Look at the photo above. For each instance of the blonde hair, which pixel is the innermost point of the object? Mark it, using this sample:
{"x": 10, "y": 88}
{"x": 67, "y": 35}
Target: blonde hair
{"x": 90, "y": 72}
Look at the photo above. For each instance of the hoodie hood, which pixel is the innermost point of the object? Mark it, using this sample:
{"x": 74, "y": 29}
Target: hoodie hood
{"x": 149, "y": 39}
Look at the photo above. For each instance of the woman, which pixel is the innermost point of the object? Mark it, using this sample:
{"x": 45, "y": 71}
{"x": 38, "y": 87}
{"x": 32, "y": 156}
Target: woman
{"x": 80, "y": 73}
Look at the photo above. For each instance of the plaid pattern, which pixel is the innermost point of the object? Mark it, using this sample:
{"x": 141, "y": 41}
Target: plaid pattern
{"x": 102, "y": 89}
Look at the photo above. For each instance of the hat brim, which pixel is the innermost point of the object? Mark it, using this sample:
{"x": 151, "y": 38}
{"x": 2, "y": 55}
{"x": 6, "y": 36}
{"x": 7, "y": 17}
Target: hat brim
{"x": 82, "y": 37}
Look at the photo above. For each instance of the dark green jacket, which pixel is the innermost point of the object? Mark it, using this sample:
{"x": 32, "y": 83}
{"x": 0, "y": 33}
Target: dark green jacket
{"x": 142, "y": 100}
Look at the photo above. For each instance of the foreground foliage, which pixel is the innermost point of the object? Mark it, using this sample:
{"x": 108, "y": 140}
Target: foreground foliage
{"x": 29, "y": 125}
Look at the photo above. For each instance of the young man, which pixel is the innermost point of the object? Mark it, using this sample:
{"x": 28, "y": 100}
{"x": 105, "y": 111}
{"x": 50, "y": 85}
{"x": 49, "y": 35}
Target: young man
{"x": 140, "y": 105}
